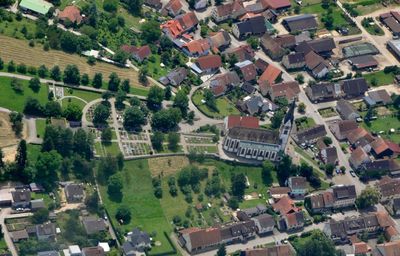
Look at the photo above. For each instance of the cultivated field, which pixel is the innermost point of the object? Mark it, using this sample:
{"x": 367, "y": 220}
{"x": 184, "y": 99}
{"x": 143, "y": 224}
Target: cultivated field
{"x": 20, "y": 52}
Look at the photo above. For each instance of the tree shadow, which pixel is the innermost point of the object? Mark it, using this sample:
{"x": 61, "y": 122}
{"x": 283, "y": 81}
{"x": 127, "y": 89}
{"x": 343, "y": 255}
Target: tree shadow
{"x": 115, "y": 197}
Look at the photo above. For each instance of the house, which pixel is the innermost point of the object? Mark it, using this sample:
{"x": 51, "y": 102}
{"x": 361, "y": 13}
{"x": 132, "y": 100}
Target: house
{"x": 172, "y": 8}
{"x": 222, "y": 83}
{"x": 291, "y": 221}
{"x": 139, "y": 240}
{"x": 316, "y": 65}
{"x": 381, "y": 167}
{"x": 255, "y": 211}
{"x": 197, "y": 48}
{"x": 250, "y": 27}
{"x": 320, "y": 202}
{"x": 180, "y": 25}
{"x": 393, "y": 206}
{"x": 363, "y": 62}
{"x": 322, "y": 46}
{"x": 329, "y": 156}
{"x": 242, "y": 53}
{"x": 228, "y": 11}
{"x": 294, "y": 61}
{"x": 46, "y": 231}
{"x": 378, "y": 97}
{"x": 74, "y": 193}
{"x": 93, "y": 251}
{"x": 300, "y": 23}
{"x": 48, "y": 253}
{"x": 360, "y": 138}
{"x": 278, "y": 192}
{"x": 248, "y": 88}
{"x": 276, "y": 5}
{"x": 261, "y": 65}
{"x": 238, "y": 232}
{"x": 19, "y": 235}
{"x": 310, "y": 135}
{"x": 207, "y": 64}
{"x": 21, "y": 198}
{"x": 155, "y": 4}
{"x": 270, "y": 15}
{"x": 381, "y": 148}
{"x": 358, "y": 158}
{"x": 256, "y": 104}
{"x": 298, "y": 186}
{"x": 93, "y": 225}
{"x": 73, "y": 250}
{"x": 284, "y": 205}
{"x": 175, "y": 77}
{"x": 344, "y": 196}
{"x": 265, "y": 224}
{"x": 219, "y": 40}
{"x": 37, "y": 204}
{"x": 247, "y": 70}
{"x": 286, "y": 41}
{"x": 271, "y": 74}
{"x": 273, "y": 250}
{"x": 200, "y": 4}
{"x": 346, "y": 110}
{"x": 240, "y": 121}
{"x": 391, "y": 234}
{"x": 354, "y": 88}
{"x": 388, "y": 188}
{"x": 35, "y": 6}
{"x": 322, "y": 92}
{"x": 260, "y": 144}
{"x": 288, "y": 90}
{"x": 138, "y": 53}
{"x": 390, "y": 21}
{"x": 36, "y": 188}
{"x": 341, "y": 129}
{"x": 71, "y": 14}
{"x": 361, "y": 248}
{"x": 388, "y": 249}
{"x": 272, "y": 47}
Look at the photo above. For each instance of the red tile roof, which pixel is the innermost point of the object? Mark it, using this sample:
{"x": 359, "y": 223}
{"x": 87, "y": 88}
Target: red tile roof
{"x": 379, "y": 146}
{"x": 270, "y": 74}
{"x": 242, "y": 121}
{"x": 174, "y": 6}
{"x": 197, "y": 46}
{"x": 71, "y": 13}
{"x": 141, "y": 52}
{"x": 209, "y": 62}
{"x": 289, "y": 90}
{"x": 284, "y": 205}
{"x": 361, "y": 248}
{"x": 276, "y": 4}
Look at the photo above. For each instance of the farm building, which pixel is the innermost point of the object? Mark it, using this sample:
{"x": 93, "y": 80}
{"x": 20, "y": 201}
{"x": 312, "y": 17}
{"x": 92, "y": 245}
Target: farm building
{"x": 359, "y": 50}
{"x": 394, "y": 47}
{"x": 35, "y": 6}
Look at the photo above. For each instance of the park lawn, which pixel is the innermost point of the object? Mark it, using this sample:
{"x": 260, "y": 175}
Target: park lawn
{"x": 304, "y": 123}
{"x": 145, "y": 208}
{"x": 33, "y": 152}
{"x": 385, "y": 123}
{"x": 16, "y": 101}
{"x": 203, "y": 149}
{"x": 84, "y": 95}
{"x": 112, "y": 149}
{"x": 40, "y": 127}
{"x": 224, "y": 106}
{"x": 72, "y": 101}
{"x": 13, "y": 29}
{"x": 380, "y": 77}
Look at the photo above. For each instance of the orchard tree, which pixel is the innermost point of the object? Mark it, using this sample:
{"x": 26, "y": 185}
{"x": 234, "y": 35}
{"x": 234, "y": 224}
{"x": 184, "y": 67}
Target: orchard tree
{"x": 72, "y": 75}
{"x": 126, "y": 86}
{"x": 16, "y": 122}
{"x": 42, "y": 71}
{"x": 123, "y": 214}
{"x": 115, "y": 185}
{"x": 34, "y": 84}
{"x": 55, "y": 73}
{"x": 173, "y": 141}
{"x": 97, "y": 80}
{"x": 113, "y": 83}
{"x": 85, "y": 79}
{"x": 155, "y": 98}
{"x": 151, "y": 31}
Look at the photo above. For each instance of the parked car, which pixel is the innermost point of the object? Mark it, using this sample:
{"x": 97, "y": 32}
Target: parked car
{"x": 353, "y": 174}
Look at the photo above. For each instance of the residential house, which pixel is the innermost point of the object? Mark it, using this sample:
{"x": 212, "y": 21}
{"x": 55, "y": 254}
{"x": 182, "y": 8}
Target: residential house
{"x": 172, "y": 8}
{"x": 298, "y": 186}
{"x": 321, "y": 92}
{"x": 180, "y": 25}
{"x": 73, "y": 250}
{"x": 277, "y": 193}
{"x": 288, "y": 90}
{"x": 272, "y": 47}
{"x": 155, "y": 4}
{"x": 346, "y": 110}
{"x": 378, "y": 97}
{"x": 361, "y": 248}
{"x": 309, "y": 135}
{"x": 381, "y": 167}
{"x": 358, "y": 158}
{"x": 363, "y": 62}
{"x": 222, "y": 83}
{"x": 74, "y": 193}
{"x": 254, "y": 211}
{"x": 36, "y": 188}
{"x": 37, "y": 204}
{"x": 256, "y": 104}
{"x": 360, "y": 138}
{"x": 391, "y": 234}
{"x": 251, "y": 27}
{"x": 286, "y": 41}
{"x": 46, "y": 231}
{"x": 248, "y": 88}
{"x": 71, "y": 14}
{"x": 271, "y": 75}
{"x": 93, "y": 225}
{"x": 341, "y": 129}
{"x": 294, "y": 61}
{"x": 320, "y": 202}
{"x": 390, "y": 248}
{"x": 93, "y": 251}
{"x": 197, "y": 48}
{"x": 265, "y": 224}
{"x": 322, "y": 46}
{"x": 242, "y": 53}
{"x": 138, "y": 53}
{"x": 175, "y": 77}
{"x": 273, "y": 250}
{"x": 19, "y": 235}
{"x": 207, "y": 64}
{"x": 284, "y": 205}
{"x": 270, "y": 15}
{"x": 344, "y": 196}
{"x": 247, "y": 70}
{"x": 316, "y": 65}
{"x": 393, "y": 206}
{"x": 300, "y": 23}
{"x": 21, "y": 198}
{"x": 40, "y": 7}
{"x": 261, "y": 66}
{"x": 200, "y": 4}
{"x": 329, "y": 156}
{"x": 219, "y": 40}
{"x": 238, "y": 232}
{"x": 228, "y": 11}
{"x": 388, "y": 188}
{"x": 240, "y": 121}
{"x": 276, "y": 5}
{"x": 137, "y": 240}
{"x": 354, "y": 88}
{"x": 291, "y": 221}
{"x": 381, "y": 148}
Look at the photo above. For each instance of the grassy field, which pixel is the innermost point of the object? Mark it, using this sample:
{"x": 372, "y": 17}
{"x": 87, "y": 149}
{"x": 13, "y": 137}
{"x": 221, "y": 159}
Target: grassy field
{"x": 16, "y": 101}
{"x": 104, "y": 149}
{"x": 380, "y": 77}
{"x": 40, "y": 127}
{"x": 203, "y": 149}
{"x": 85, "y": 95}
{"x": 224, "y": 106}
{"x": 17, "y": 50}
{"x": 14, "y": 28}
{"x": 304, "y": 123}
{"x": 374, "y": 30}
{"x": 67, "y": 101}
{"x": 327, "y": 112}
{"x": 385, "y": 123}
{"x": 33, "y": 152}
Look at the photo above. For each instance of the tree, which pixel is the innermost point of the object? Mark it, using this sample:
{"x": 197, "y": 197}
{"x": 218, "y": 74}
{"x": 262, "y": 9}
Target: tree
{"x": 134, "y": 119}
{"x": 166, "y": 119}
{"x": 114, "y": 82}
{"x": 73, "y": 112}
{"x": 126, "y": 86}
{"x": 92, "y": 202}
{"x": 71, "y": 75}
{"x": 11, "y": 66}
{"x": 134, "y": 6}
{"x": 327, "y": 140}
{"x": 155, "y": 98}
{"x": 151, "y": 31}
{"x": 85, "y": 79}
{"x": 254, "y": 42}
{"x": 1, "y": 159}
{"x": 173, "y": 141}
{"x": 157, "y": 140}
{"x": 143, "y": 72}
{"x": 101, "y": 114}
{"x": 120, "y": 57}
{"x": 110, "y": 5}
{"x": 55, "y": 73}
{"x": 284, "y": 169}
{"x": 115, "y": 185}
{"x": 238, "y": 185}
{"x": 181, "y": 101}
{"x": 221, "y": 250}
{"x": 34, "y": 84}
{"x": 22, "y": 156}
{"x": 40, "y": 216}
{"x": 53, "y": 109}
{"x": 329, "y": 168}
{"x": 301, "y": 107}
{"x": 276, "y": 120}
{"x": 47, "y": 165}
{"x": 167, "y": 92}
{"x": 16, "y": 85}
{"x": 33, "y": 107}
{"x": 119, "y": 99}
{"x": 368, "y": 197}
{"x": 233, "y": 203}
{"x": 123, "y": 214}
{"x": 1, "y": 64}
{"x": 210, "y": 100}
{"x": 106, "y": 135}
{"x": 267, "y": 169}
{"x": 317, "y": 245}
{"x": 5, "y": 3}
{"x": 97, "y": 80}
{"x": 16, "y": 122}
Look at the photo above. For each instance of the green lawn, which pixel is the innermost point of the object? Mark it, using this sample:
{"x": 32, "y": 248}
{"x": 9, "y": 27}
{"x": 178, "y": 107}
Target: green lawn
{"x": 374, "y": 30}
{"x": 203, "y": 149}
{"x": 146, "y": 209}
{"x": 224, "y": 106}
{"x": 40, "y": 127}
{"x": 327, "y": 112}
{"x": 304, "y": 123}
{"x": 104, "y": 149}
{"x": 68, "y": 101}
{"x": 379, "y": 77}
{"x": 85, "y": 95}
{"x": 385, "y": 124}
{"x": 33, "y": 152}
{"x": 16, "y": 101}
{"x": 15, "y": 28}
{"x": 139, "y": 91}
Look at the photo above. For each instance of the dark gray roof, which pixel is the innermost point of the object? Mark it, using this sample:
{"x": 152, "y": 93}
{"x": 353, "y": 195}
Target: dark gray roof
{"x": 47, "y": 229}
{"x": 389, "y": 165}
{"x": 346, "y": 110}
{"x": 177, "y": 75}
{"x": 37, "y": 204}
{"x": 73, "y": 191}
{"x": 310, "y": 134}
{"x": 254, "y": 135}
{"x": 355, "y": 87}
{"x": 331, "y": 155}
{"x": 23, "y": 195}
{"x": 301, "y": 22}
{"x": 138, "y": 237}
{"x": 396, "y": 204}
{"x": 255, "y": 25}
{"x": 317, "y": 45}
{"x": 265, "y": 220}
{"x": 248, "y": 87}
{"x": 128, "y": 249}
{"x": 93, "y": 225}
{"x": 344, "y": 192}
{"x": 321, "y": 91}
{"x": 295, "y": 58}
{"x": 48, "y": 253}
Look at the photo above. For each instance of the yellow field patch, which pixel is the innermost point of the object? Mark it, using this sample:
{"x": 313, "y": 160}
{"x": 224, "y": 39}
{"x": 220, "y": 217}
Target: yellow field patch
{"x": 167, "y": 165}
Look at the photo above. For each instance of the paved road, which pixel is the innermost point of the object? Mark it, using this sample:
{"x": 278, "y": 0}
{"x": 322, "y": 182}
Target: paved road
{"x": 32, "y": 132}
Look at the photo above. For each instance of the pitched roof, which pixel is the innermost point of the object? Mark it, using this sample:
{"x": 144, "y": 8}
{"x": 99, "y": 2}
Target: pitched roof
{"x": 388, "y": 186}
{"x": 243, "y": 52}
{"x": 312, "y": 60}
{"x": 199, "y": 46}
{"x": 242, "y": 121}
{"x": 364, "y": 61}
{"x": 284, "y": 205}
{"x": 361, "y": 248}
{"x": 379, "y": 145}
{"x": 279, "y": 190}
{"x": 358, "y": 156}
{"x": 344, "y": 192}
{"x": 261, "y": 65}
{"x": 225, "y": 79}
{"x": 389, "y": 249}
{"x": 295, "y": 218}
{"x": 274, "y": 250}
{"x": 356, "y": 134}
{"x": 301, "y": 22}
{"x": 346, "y": 109}
{"x": 141, "y": 52}
{"x": 38, "y": 6}
{"x": 390, "y": 165}
{"x": 298, "y": 182}
{"x": 173, "y": 6}
{"x": 288, "y": 90}
{"x": 380, "y": 96}
{"x": 204, "y": 237}
{"x": 270, "y": 74}
{"x": 220, "y": 39}
{"x": 295, "y": 58}
{"x": 93, "y": 225}
{"x": 93, "y": 251}
{"x": 255, "y": 25}
{"x": 384, "y": 219}
{"x": 276, "y": 4}
{"x": 229, "y": 8}
{"x": 331, "y": 155}
{"x": 310, "y": 134}
{"x": 254, "y": 135}
{"x": 355, "y": 87}
{"x": 317, "y": 45}
{"x": 72, "y": 13}
{"x": 209, "y": 62}
{"x": 21, "y": 195}
{"x": 248, "y": 70}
